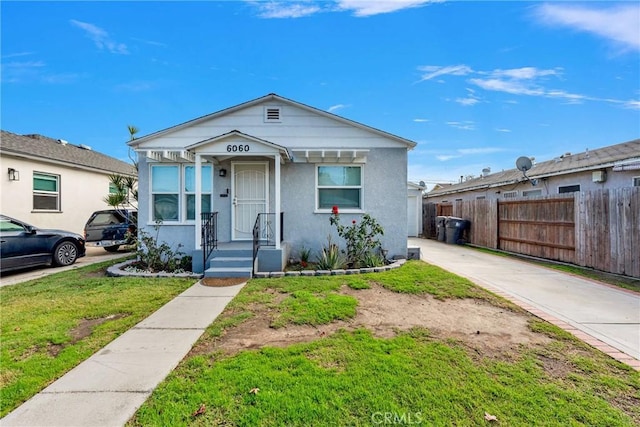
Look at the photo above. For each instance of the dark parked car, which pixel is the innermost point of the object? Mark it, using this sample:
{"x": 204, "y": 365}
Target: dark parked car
{"x": 22, "y": 246}
{"x": 111, "y": 228}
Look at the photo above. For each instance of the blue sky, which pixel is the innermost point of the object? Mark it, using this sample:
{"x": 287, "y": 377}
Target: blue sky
{"x": 475, "y": 84}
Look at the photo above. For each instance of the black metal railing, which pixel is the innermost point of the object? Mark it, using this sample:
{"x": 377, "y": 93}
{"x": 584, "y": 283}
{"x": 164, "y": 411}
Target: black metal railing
{"x": 209, "y": 234}
{"x": 264, "y": 231}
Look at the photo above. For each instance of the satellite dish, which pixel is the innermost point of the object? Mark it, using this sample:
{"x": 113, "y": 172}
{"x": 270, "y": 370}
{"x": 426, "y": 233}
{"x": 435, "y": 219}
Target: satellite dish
{"x": 523, "y": 164}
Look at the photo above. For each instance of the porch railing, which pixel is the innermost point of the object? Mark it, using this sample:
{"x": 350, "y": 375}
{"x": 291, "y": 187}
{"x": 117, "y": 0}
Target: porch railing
{"x": 264, "y": 231}
{"x": 209, "y": 234}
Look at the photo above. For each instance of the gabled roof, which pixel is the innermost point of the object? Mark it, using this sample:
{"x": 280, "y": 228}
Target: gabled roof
{"x": 51, "y": 150}
{"x": 267, "y": 98}
{"x": 616, "y": 156}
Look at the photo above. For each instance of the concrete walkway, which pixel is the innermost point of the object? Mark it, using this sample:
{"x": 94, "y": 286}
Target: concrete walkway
{"x": 604, "y": 316}
{"x": 109, "y": 387}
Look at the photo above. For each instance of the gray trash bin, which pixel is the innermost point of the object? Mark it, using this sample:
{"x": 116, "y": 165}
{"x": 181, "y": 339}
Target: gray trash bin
{"x": 440, "y": 228}
{"x": 455, "y": 229}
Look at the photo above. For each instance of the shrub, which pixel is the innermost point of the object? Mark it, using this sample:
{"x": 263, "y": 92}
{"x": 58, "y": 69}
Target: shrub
{"x": 363, "y": 245}
{"x": 330, "y": 257}
{"x": 156, "y": 256}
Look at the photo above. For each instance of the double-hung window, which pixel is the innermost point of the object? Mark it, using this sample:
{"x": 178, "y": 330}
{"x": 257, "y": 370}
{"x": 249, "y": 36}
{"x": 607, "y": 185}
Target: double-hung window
{"x": 339, "y": 186}
{"x": 190, "y": 189}
{"x": 165, "y": 192}
{"x": 173, "y": 192}
{"x": 46, "y": 192}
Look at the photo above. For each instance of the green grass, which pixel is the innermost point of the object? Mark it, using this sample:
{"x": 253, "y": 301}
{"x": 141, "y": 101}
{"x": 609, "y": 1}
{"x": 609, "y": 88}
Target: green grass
{"x": 353, "y": 378}
{"x": 40, "y": 321}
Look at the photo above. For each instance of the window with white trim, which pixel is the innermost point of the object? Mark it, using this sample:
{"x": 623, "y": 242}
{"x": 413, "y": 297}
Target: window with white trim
{"x": 165, "y": 192}
{"x": 531, "y": 193}
{"x": 190, "y": 189}
{"x": 339, "y": 185}
{"x": 46, "y": 192}
{"x": 173, "y": 192}
{"x": 510, "y": 194}
{"x": 636, "y": 181}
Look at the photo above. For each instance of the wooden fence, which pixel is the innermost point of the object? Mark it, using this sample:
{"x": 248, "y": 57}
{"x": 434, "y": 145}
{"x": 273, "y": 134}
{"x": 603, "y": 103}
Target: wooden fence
{"x": 598, "y": 229}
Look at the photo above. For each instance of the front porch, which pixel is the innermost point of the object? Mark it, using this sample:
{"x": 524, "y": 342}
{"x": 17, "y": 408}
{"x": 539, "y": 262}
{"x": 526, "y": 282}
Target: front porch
{"x": 242, "y": 258}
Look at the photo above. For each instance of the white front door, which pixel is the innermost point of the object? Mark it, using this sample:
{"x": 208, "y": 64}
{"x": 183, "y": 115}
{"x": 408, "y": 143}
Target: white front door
{"x": 250, "y": 192}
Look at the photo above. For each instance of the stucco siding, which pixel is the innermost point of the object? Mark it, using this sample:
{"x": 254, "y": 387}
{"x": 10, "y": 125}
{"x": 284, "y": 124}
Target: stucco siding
{"x": 81, "y": 193}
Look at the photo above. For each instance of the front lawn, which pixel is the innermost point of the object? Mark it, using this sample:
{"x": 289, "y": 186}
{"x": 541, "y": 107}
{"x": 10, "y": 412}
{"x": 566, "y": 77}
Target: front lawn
{"x": 51, "y": 324}
{"x": 413, "y": 346}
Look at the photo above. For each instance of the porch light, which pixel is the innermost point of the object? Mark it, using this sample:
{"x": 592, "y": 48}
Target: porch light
{"x": 222, "y": 172}
{"x": 14, "y": 175}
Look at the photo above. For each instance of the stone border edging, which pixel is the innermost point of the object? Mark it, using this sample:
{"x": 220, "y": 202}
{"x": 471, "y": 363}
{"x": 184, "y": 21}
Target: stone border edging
{"x": 309, "y": 273}
{"x": 116, "y": 270}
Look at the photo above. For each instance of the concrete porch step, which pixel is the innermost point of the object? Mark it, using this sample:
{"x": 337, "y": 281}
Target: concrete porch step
{"x": 230, "y": 261}
{"x": 228, "y": 272}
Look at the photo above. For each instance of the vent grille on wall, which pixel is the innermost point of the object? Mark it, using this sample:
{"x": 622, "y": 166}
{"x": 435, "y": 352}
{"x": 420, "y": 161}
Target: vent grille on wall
{"x": 272, "y": 114}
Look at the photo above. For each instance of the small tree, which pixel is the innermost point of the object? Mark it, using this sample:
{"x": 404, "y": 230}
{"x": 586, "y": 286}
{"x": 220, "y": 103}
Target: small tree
{"x": 363, "y": 245}
{"x": 125, "y": 187}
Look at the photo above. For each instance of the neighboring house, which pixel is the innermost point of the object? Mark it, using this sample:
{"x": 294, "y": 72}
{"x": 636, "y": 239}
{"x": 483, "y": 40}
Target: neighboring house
{"x": 54, "y": 184}
{"x": 615, "y": 166}
{"x": 277, "y": 159}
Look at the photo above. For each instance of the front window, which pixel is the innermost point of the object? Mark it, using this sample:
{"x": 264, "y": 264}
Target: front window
{"x": 46, "y": 192}
{"x": 173, "y": 191}
{"x": 165, "y": 191}
{"x": 510, "y": 194}
{"x": 190, "y": 189}
{"x": 339, "y": 186}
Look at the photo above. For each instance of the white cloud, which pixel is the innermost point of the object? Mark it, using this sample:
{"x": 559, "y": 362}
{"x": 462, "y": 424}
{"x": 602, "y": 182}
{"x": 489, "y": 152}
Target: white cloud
{"x": 376, "y": 7}
{"x": 525, "y": 73}
{"x": 433, "y": 71}
{"x": 421, "y": 120}
{"x": 281, "y": 10}
{"x": 336, "y": 107}
{"x": 467, "y": 102}
{"x": 101, "y": 38}
{"x": 481, "y": 150}
{"x": 619, "y": 24}
{"x": 445, "y": 157}
{"x": 503, "y": 130}
{"x": 466, "y": 125}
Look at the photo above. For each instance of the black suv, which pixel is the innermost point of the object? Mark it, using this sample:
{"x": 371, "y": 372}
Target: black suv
{"x": 109, "y": 229}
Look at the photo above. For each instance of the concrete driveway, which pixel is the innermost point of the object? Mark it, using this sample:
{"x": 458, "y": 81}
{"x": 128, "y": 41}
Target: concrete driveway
{"x": 592, "y": 310}
{"x": 93, "y": 256}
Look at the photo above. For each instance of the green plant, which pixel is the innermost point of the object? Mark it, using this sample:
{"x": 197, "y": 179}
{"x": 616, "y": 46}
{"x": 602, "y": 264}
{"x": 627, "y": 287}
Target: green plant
{"x": 361, "y": 238}
{"x": 305, "y": 253}
{"x": 372, "y": 259}
{"x": 330, "y": 257}
{"x": 156, "y": 256}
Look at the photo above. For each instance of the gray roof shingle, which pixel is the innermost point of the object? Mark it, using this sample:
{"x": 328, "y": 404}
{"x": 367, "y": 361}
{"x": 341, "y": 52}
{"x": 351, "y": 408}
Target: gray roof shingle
{"x": 565, "y": 164}
{"x": 49, "y": 149}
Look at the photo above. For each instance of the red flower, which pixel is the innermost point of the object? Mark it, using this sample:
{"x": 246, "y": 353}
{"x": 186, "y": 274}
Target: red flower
{"x": 354, "y": 221}
{"x": 334, "y": 210}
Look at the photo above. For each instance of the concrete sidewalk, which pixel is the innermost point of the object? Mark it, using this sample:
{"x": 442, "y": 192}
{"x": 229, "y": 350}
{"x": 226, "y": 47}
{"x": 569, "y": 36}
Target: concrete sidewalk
{"x": 109, "y": 387}
{"x": 604, "y": 316}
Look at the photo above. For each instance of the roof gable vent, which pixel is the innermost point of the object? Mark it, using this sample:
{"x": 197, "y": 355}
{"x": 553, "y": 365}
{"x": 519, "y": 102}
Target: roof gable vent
{"x": 272, "y": 114}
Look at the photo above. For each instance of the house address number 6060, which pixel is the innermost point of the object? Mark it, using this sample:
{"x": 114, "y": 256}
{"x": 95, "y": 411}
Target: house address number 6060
{"x": 237, "y": 148}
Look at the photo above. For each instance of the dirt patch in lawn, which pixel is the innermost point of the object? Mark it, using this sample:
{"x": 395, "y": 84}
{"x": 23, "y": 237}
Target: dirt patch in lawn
{"x": 487, "y": 329}
{"x": 83, "y": 330}
{"x": 222, "y": 282}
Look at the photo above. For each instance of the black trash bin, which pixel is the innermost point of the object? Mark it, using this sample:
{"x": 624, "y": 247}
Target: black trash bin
{"x": 455, "y": 229}
{"x": 440, "y": 228}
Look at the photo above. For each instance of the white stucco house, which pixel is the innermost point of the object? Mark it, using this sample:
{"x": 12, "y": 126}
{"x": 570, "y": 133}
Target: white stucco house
{"x": 271, "y": 168}
{"x": 52, "y": 183}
